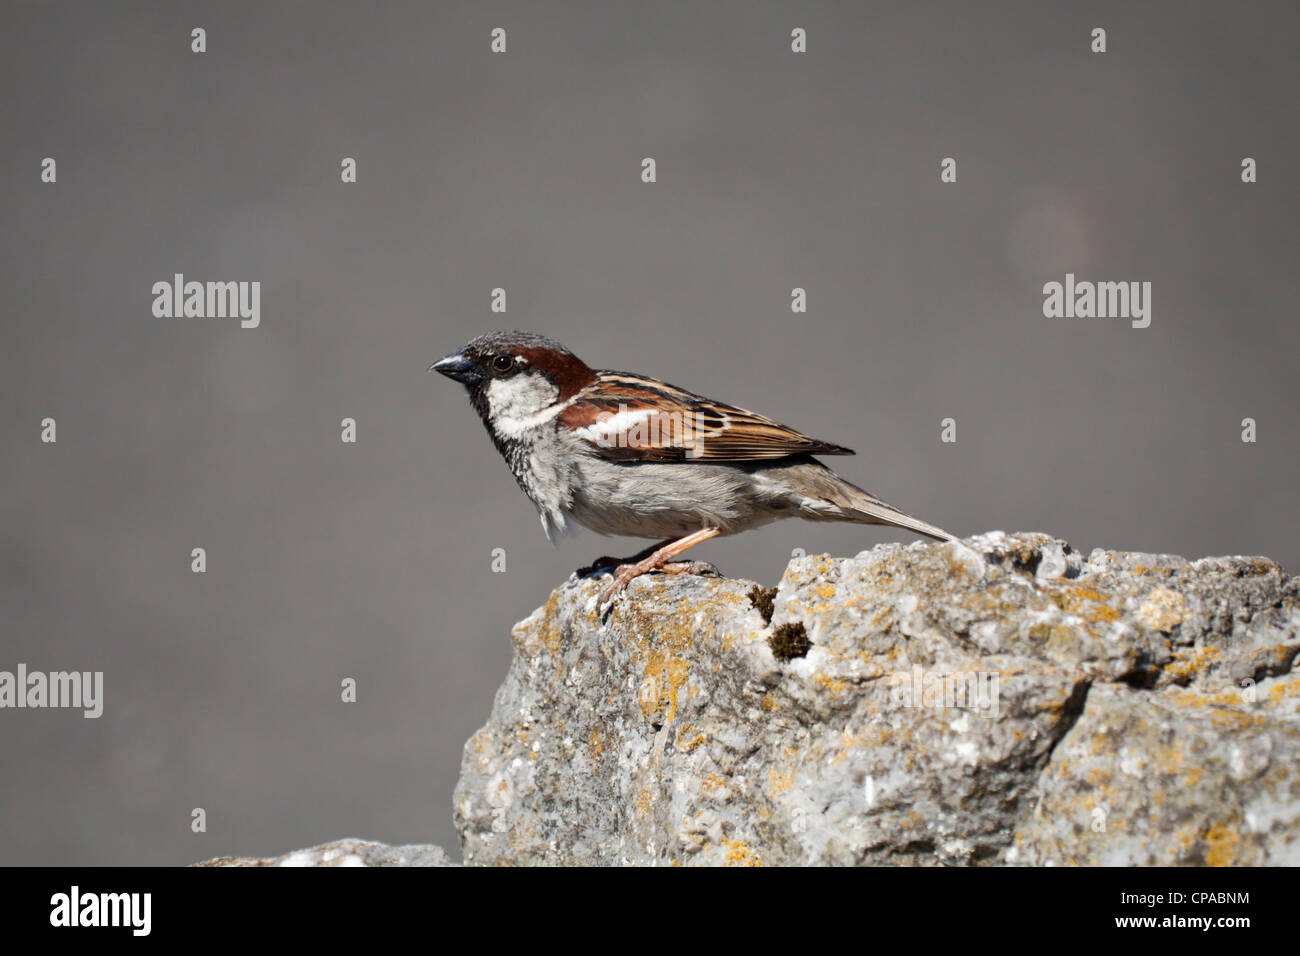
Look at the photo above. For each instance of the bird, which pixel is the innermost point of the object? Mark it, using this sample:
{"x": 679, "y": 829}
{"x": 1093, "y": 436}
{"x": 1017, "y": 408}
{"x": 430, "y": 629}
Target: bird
{"x": 625, "y": 454}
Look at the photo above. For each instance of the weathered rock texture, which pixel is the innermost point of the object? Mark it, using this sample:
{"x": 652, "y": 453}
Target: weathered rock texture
{"x": 996, "y": 700}
{"x": 346, "y": 852}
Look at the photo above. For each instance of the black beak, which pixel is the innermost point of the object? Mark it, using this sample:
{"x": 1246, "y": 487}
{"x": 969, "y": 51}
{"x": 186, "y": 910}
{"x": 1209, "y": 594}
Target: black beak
{"x": 455, "y": 366}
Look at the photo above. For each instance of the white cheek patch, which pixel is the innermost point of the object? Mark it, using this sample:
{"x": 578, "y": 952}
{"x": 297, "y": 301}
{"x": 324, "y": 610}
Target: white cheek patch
{"x": 521, "y": 402}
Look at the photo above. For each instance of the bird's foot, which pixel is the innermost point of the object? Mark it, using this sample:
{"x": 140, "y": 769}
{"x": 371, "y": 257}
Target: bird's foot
{"x": 627, "y": 573}
{"x": 661, "y": 558}
{"x": 603, "y": 564}
{"x": 606, "y": 563}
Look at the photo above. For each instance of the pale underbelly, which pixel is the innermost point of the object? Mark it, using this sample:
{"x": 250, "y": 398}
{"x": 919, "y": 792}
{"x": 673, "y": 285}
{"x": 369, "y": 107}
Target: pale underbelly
{"x": 663, "y": 501}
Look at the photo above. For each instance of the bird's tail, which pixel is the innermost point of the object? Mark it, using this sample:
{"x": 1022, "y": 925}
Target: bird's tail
{"x": 855, "y": 504}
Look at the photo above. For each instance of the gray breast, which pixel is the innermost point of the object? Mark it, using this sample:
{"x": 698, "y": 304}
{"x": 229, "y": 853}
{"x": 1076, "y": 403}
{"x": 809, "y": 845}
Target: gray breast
{"x": 654, "y": 500}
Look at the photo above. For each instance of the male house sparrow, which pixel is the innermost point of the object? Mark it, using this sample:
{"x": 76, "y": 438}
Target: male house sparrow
{"x": 625, "y": 454}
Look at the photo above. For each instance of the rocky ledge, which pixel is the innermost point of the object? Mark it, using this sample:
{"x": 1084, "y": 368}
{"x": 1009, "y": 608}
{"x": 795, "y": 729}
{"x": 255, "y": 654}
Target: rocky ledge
{"x": 347, "y": 852}
{"x": 997, "y": 700}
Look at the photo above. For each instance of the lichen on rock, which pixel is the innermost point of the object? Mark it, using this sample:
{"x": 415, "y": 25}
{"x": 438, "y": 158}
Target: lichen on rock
{"x": 996, "y": 700}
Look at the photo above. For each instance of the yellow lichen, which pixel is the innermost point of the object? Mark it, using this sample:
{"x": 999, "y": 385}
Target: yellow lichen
{"x": 835, "y": 685}
{"x": 1088, "y": 603}
{"x": 713, "y": 786}
{"x": 685, "y": 745}
{"x": 739, "y": 854}
{"x": 663, "y": 679}
{"x": 1162, "y": 610}
{"x": 1221, "y": 846}
{"x": 778, "y": 781}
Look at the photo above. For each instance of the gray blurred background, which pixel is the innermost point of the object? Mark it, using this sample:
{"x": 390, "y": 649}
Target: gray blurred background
{"x": 775, "y": 170}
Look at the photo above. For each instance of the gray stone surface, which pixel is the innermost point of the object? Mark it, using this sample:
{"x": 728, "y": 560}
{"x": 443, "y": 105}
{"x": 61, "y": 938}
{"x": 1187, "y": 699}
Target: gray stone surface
{"x": 346, "y": 852}
{"x": 997, "y": 700}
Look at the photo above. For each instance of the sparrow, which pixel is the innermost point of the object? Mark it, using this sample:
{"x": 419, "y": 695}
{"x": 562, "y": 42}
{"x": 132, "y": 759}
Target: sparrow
{"x": 625, "y": 454}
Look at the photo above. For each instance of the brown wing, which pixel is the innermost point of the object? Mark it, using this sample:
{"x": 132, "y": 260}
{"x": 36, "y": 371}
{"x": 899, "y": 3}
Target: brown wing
{"x": 629, "y": 418}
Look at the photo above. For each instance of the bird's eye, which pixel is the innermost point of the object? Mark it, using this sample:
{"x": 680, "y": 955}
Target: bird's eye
{"x": 502, "y": 363}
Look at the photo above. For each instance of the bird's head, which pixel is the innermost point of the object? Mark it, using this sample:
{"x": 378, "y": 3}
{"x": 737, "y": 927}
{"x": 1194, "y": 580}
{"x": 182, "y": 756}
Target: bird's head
{"x": 515, "y": 378}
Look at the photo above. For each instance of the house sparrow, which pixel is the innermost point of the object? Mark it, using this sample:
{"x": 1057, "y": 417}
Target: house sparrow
{"x": 626, "y": 454}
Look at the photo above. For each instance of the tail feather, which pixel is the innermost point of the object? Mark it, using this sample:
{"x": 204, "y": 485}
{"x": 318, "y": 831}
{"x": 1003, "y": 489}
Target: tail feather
{"x": 875, "y": 511}
{"x": 855, "y": 504}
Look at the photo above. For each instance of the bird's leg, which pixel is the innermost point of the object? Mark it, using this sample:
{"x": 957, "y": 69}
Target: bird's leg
{"x": 606, "y": 562}
{"x": 660, "y": 559}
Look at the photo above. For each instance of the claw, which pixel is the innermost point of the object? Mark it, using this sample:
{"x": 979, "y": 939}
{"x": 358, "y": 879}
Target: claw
{"x": 660, "y": 560}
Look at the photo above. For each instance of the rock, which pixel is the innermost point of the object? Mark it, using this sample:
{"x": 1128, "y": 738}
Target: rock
{"x": 996, "y": 700}
{"x": 346, "y": 853}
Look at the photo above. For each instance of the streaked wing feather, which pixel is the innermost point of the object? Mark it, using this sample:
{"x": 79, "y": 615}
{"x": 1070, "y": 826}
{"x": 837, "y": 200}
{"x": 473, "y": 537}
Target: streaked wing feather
{"x": 627, "y": 417}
